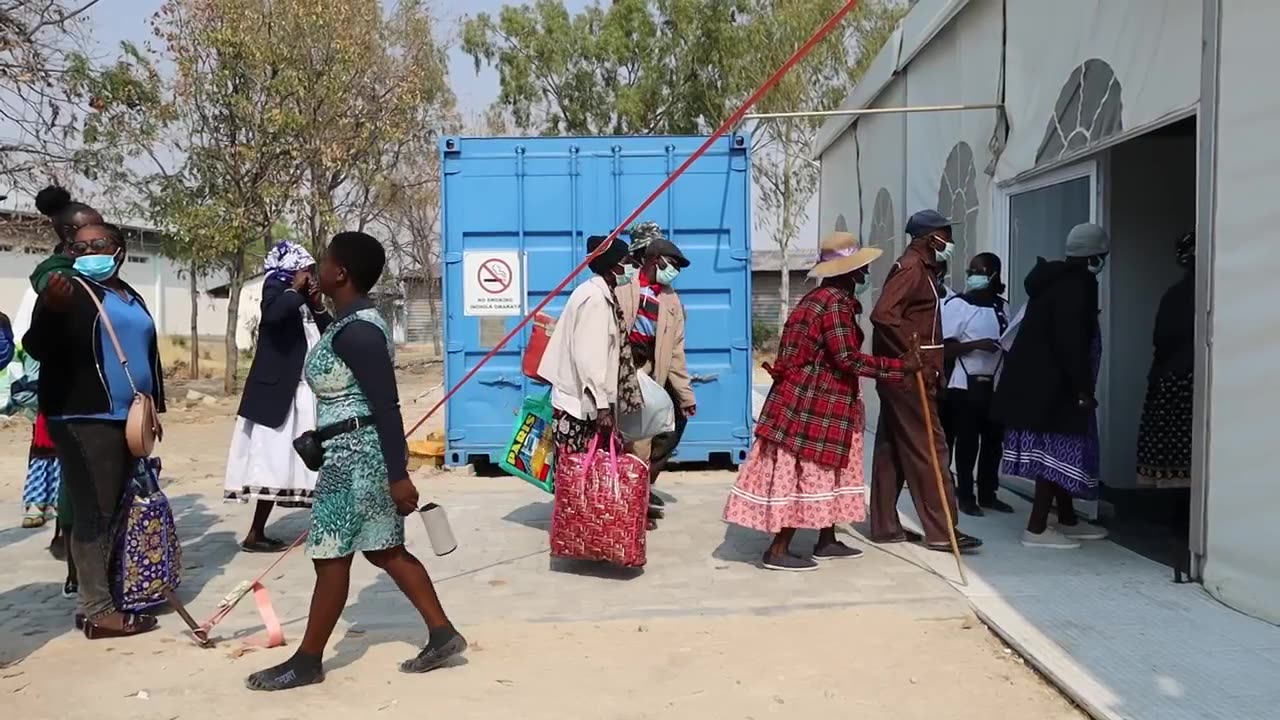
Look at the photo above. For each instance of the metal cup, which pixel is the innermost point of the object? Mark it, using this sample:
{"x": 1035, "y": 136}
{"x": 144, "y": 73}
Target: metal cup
{"x": 439, "y": 532}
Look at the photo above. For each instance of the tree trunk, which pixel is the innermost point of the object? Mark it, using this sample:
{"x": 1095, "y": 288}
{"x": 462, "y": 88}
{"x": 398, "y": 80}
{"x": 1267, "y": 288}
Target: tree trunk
{"x": 195, "y": 322}
{"x": 235, "y": 277}
{"x": 785, "y": 287}
{"x": 434, "y": 312}
{"x": 784, "y": 242}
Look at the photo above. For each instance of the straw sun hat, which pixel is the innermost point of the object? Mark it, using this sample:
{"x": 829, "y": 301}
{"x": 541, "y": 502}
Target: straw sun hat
{"x": 840, "y": 254}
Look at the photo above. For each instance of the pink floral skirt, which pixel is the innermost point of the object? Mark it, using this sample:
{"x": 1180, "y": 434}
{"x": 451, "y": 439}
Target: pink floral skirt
{"x": 776, "y": 490}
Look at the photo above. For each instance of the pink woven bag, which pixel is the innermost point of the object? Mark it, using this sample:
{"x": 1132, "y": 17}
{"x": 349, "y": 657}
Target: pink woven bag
{"x": 601, "y": 503}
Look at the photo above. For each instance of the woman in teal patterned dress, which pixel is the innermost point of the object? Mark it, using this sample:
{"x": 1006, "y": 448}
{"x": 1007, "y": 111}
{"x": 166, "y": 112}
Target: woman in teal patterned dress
{"x": 363, "y": 492}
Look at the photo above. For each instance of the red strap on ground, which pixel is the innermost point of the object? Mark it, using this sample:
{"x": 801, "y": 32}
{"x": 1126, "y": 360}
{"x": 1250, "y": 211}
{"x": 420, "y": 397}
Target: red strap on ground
{"x": 262, "y": 598}
{"x": 275, "y": 634}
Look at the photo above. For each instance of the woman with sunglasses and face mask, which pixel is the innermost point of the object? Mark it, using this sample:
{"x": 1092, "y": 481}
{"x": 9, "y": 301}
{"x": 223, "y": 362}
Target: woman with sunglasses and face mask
{"x": 1045, "y": 398}
{"x": 86, "y": 393}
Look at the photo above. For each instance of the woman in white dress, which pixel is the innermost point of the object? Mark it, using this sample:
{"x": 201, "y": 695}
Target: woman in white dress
{"x": 277, "y": 406}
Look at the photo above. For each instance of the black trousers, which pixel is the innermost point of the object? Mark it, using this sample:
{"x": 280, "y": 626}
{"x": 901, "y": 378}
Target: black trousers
{"x": 96, "y": 466}
{"x": 978, "y": 442}
{"x": 664, "y": 447}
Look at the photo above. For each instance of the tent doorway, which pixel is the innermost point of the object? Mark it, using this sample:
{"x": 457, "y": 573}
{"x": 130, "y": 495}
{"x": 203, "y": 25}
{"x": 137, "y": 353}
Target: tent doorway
{"x": 1151, "y": 202}
{"x": 1143, "y": 190}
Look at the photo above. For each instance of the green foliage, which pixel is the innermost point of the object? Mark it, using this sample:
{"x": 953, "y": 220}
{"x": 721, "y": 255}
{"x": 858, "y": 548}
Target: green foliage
{"x": 764, "y": 332}
{"x": 40, "y": 42}
{"x": 665, "y": 66}
{"x": 274, "y": 111}
{"x": 635, "y": 67}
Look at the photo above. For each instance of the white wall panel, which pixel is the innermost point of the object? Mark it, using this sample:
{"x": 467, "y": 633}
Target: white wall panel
{"x": 1151, "y": 46}
{"x": 1242, "y": 566}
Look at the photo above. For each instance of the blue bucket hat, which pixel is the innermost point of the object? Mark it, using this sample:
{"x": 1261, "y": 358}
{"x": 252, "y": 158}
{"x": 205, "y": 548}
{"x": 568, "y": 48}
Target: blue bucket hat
{"x": 925, "y": 222}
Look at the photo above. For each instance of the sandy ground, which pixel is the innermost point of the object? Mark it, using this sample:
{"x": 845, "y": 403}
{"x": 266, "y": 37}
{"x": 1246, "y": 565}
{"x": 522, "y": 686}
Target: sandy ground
{"x": 701, "y": 633}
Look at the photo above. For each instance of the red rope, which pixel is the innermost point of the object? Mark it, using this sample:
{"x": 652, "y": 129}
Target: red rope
{"x": 724, "y": 128}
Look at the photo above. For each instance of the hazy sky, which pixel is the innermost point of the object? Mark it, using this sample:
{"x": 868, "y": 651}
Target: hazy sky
{"x": 117, "y": 20}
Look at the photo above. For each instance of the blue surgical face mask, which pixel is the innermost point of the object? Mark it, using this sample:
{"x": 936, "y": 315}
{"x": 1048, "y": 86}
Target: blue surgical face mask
{"x": 862, "y": 286}
{"x": 977, "y": 282}
{"x": 628, "y": 274}
{"x": 667, "y": 275}
{"x": 96, "y": 267}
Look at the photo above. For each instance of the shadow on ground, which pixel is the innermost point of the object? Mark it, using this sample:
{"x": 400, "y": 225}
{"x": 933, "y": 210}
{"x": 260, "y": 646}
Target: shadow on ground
{"x": 44, "y": 615}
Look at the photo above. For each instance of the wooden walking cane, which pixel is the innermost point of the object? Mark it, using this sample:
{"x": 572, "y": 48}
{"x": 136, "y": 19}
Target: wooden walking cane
{"x": 933, "y": 458}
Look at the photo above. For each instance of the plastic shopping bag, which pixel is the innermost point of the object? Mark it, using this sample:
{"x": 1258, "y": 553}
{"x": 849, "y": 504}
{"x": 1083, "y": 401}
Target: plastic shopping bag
{"x": 602, "y": 502}
{"x": 530, "y": 455}
{"x": 657, "y": 414}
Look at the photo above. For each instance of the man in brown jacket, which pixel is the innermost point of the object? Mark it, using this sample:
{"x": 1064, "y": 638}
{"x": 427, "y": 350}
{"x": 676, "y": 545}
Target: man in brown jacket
{"x": 907, "y": 317}
{"x": 654, "y": 319}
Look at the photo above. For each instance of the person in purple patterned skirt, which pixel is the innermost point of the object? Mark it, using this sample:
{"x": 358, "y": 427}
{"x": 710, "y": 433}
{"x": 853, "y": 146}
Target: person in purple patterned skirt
{"x": 1046, "y": 392}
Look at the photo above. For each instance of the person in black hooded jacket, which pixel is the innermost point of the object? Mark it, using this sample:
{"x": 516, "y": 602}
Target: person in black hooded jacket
{"x": 1045, "y": 396}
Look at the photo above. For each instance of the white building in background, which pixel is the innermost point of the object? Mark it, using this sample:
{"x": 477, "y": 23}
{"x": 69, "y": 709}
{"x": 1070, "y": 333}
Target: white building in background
{"x": 26, "y": 239}
{"x": 1149, "y": 117}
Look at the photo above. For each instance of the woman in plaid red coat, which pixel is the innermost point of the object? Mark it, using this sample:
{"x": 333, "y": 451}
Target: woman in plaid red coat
{"x": 805, "y": 470}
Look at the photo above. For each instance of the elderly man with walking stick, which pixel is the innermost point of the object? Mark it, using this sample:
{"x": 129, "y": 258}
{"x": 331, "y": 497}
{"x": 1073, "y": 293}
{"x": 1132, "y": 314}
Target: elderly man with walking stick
{"x": 907, "y": 319}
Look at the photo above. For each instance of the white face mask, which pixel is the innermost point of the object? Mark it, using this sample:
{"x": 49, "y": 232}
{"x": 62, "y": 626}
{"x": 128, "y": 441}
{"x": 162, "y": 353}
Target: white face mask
{"x": 944, "y": 255}
{"x": 1096, "y": 265}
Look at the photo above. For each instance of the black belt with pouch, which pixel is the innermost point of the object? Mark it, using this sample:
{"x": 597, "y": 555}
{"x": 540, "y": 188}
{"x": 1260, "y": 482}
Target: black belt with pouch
{"x": 310, "y": 444}
{"x": 982, "y": 388}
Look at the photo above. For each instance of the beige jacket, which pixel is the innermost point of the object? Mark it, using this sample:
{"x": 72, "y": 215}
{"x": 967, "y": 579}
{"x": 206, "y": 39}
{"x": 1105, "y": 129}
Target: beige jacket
{"x": 582, "y": 356}
{"x": 669, "y": 364}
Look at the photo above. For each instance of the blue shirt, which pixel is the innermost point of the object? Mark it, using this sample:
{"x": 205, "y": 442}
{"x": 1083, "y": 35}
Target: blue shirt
{"x": 136, "y": 332}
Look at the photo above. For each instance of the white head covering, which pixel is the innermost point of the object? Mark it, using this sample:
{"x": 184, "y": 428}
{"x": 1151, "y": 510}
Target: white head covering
{"x": 286, "y": 259}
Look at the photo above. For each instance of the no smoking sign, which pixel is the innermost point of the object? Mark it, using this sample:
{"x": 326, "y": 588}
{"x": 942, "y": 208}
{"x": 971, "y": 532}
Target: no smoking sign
{"x": 494, "y": 276}
{"x": 492, "y": 284}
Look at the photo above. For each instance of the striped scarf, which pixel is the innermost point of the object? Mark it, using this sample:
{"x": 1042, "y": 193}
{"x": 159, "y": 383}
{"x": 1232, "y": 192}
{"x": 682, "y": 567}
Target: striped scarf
{"x": 644, "y": 331}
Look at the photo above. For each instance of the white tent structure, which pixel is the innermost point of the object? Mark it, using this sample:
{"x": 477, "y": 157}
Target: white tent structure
{"x": 1148, "y": 117}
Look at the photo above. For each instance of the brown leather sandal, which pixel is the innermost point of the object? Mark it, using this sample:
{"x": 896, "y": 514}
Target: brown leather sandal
{"x": 133, "y": 625}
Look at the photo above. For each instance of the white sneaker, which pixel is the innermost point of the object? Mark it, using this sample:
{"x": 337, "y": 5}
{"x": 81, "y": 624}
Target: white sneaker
{"x": 1049, "y": 539}
{"x": 1082, "y": 531}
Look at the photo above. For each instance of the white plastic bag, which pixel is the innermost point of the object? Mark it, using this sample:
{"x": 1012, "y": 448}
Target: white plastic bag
{"x": 657, "y": 413}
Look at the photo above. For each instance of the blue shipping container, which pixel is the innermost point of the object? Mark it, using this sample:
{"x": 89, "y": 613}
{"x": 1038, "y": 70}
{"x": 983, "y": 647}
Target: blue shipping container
{"x": 516, "y": 216}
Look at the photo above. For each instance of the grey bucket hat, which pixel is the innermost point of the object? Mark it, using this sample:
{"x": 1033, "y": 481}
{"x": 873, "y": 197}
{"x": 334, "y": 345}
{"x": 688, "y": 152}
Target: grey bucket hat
{"x": 1087, "y": 240}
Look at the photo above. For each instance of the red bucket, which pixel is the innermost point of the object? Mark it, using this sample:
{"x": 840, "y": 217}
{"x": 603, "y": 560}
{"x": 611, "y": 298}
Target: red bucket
{"x": 543, "y": 325}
